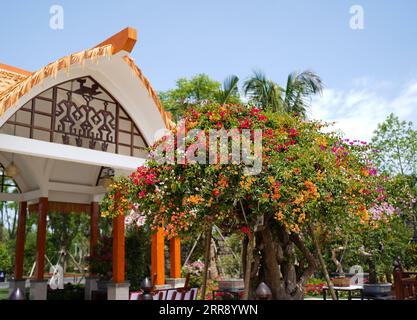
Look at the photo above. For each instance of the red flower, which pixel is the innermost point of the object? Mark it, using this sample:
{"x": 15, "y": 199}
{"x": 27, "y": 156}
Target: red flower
{"x": 246, "y": 230}
{"x": 263, "y": 118}
{"x": 150, "y": 178}
{"x": 254, "y": 111}
{"x": 293, "y": 133}
{"x": 216, "y": 192}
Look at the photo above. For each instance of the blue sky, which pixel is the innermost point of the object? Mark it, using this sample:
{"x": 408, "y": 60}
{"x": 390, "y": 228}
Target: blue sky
{"x": 368, "y": 73}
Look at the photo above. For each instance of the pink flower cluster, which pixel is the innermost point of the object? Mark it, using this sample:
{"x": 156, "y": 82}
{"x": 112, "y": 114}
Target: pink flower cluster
{"x": 136, "y": 219}
{"x": 143, "y": 175}
{"x": 195, "y": 268}
{"x": 382, "y": 211}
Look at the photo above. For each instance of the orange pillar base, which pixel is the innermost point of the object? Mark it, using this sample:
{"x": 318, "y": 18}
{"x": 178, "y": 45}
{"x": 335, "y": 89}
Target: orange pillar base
{"x": 119, "y": 249}
{"x": 158, "y": 258}
{"x": 175, "y": 258}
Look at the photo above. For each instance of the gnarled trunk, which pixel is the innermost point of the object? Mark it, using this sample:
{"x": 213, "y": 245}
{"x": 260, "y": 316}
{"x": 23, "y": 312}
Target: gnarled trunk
{"x": 275, "y": 264}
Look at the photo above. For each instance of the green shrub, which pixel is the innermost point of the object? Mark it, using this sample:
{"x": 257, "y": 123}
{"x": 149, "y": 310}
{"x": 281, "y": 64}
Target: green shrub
{"x": 5, "y": 259}
{"x": 138, "y": 256}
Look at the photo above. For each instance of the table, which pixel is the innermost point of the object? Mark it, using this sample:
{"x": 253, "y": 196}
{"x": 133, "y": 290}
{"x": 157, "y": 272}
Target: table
{"x": 349, "y": 290}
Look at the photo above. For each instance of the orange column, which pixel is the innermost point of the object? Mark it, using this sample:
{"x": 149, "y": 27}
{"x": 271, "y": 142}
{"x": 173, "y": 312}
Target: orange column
{"x": 41, "y": 238}
{"x": 175, "y": 258}
{"x": 94, "y": 231}
{"x": 20, "y": 241}
{"x": 158, "y": 257}
{"x": 119, "y": 249}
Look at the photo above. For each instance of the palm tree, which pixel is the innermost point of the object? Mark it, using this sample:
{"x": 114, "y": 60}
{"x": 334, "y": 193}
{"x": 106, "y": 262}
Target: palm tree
{"x": 263, "y": 92}
{"x": 296, "y": 97}
{"x": 229, "y": 90}
{"x": 299, "y": 90}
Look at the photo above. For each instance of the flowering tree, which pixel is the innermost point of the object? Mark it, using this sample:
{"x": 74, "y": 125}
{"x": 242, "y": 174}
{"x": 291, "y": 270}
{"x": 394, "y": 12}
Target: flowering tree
{"x": 307, "y": 179}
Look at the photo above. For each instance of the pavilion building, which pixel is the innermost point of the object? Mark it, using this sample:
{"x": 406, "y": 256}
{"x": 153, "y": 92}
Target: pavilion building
{"x": 63, "y": 129}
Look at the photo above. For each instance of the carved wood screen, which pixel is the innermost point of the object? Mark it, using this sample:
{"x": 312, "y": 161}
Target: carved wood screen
{"x": 80, "y": 113}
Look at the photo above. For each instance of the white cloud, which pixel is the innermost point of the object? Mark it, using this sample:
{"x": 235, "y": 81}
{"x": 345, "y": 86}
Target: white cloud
{"x": 358, "y": 111}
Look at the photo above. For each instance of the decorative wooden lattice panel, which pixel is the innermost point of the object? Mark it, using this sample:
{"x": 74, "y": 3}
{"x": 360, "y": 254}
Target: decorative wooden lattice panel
{"x": 80, "y": 113}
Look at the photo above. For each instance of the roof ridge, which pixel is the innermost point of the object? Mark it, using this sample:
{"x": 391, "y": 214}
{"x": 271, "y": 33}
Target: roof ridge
{"x": 14, "y": 70}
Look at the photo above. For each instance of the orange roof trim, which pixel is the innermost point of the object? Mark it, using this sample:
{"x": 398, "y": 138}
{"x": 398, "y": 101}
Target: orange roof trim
{"x": 166, "y": 116}
{"x": 124, "y": 40}
{"x": 14, "y": 70}
{"x": 11, "y": 95}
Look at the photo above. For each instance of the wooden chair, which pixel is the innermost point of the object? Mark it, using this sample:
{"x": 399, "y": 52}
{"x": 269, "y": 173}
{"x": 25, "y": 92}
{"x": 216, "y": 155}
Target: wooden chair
{"x": 160, "y": 295}
{"x": 191, "y": 294}
{"x": 171, "y": 294}
{"x": 135, "y": 295}
{"x": 405, "y": 284}
{"x": 184, "y": 293}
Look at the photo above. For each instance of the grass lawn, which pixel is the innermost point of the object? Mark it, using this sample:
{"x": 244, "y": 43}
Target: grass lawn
{"x": 4, "y": 294}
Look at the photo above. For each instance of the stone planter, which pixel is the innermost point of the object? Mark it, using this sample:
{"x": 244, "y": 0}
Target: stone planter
{"x": 175, "y": 282}
{"x": 118, "y": 291}
{"x": 90, "y": 286}
{"x": 377, "y": 289}
{"x": 102, "y": 284}
{"x": 231, "y": 285}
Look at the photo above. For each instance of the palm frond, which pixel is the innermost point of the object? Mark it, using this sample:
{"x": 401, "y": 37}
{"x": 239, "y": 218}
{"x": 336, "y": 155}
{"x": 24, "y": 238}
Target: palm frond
{"x": 299, "y": 89}
{"x": 230, "y": 88}
{"x": 263, "y": 92}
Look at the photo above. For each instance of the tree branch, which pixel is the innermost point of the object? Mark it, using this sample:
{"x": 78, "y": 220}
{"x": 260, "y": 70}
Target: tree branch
{"x": 312, "y": 264}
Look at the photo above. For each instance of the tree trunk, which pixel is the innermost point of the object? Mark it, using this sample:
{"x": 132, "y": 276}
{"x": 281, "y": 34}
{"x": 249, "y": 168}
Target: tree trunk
{"x": 322, "y": 263}
{"x": 248, "y": 269}
{"x": 271, "y": 265}
{"x": 213, "y": 266}
{"x": 206, "y": 261}
{"x": 274, "y": 262}
{"x": 388, "y": 276}
{"x": 245, "y": 242}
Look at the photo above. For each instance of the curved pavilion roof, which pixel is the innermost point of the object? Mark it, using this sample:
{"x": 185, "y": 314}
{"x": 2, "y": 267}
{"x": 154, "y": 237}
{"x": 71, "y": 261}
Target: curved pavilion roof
{"x": 15, "y": 82}
{"x": 71, "y": 176}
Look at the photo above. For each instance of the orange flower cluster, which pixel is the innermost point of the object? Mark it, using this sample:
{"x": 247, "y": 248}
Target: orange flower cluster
{"x": 247, "y": 182}
{"x": 311, "y": 190}
{"x": 177, "y": 224}
{"x": 117, "y": 201}
{"x": 195, "y": 199}
{"x": 223, "y": 182}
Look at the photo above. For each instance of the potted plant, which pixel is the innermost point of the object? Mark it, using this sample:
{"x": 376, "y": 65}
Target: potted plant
{"x": 376, "y": 286}
{"x": 101, "y": 262}
{"x": 382, "y": 241}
